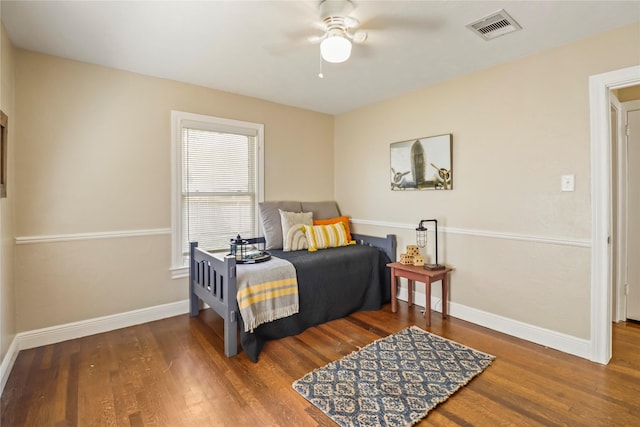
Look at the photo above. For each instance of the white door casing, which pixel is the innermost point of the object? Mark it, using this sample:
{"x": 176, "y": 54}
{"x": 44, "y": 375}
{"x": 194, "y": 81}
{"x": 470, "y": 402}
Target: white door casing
{"x": 632, "y": 116}
{"x": 600, "y": 86}
{"x": 619, "y": 210}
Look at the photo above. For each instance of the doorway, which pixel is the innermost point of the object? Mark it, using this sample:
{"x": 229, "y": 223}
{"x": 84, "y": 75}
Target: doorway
{"x": 631, "y": 119}
{"x": 600, "y": 86}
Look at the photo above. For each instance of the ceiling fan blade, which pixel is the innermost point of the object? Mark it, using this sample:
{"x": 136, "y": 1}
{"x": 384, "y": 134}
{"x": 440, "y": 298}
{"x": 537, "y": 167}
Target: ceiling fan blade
{"x": 286, "y": 48}
{"x": 319, "y": 25}
{"x": 363, "y": 51}
{"x": 316, "y": 39}
{"x": 401, "y": 23}
{"x": 359, "y": 36}
{"x": 290, "y": 42}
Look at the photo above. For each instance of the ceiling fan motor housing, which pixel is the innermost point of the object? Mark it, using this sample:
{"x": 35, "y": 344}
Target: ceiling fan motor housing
{"x": 335, "y": 44}
{"x": 335, "y": 8}
{"x": 337, "y": 24}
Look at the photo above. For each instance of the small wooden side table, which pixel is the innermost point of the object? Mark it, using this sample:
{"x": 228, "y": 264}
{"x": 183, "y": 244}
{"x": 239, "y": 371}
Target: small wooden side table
{"x": 416, "y": 273}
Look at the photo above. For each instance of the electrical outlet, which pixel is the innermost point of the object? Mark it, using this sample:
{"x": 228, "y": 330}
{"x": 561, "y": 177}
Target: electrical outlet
{"x": 567, "y": 182}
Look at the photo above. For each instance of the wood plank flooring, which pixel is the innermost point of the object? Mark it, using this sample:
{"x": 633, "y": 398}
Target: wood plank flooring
{"x": 173, "y": 372}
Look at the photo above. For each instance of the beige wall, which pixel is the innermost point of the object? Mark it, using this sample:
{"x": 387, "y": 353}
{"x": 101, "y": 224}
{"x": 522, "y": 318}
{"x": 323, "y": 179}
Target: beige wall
{"x": 7, "y": 235}
{"x": 92, "y": 149}
{"x": 519, "y": 246}
{"x": 94, "y": 156}
{"x": 628, "y": 94}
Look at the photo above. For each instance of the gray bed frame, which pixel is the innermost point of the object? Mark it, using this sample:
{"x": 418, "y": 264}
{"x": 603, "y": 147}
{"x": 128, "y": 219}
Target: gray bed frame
{"x": 213, "y": 280}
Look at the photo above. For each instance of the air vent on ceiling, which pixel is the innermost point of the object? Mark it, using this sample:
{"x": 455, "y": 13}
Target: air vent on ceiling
{"x": 495, "y": 25}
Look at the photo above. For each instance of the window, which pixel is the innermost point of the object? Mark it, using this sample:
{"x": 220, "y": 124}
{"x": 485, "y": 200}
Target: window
{"x": 218, "y": 182}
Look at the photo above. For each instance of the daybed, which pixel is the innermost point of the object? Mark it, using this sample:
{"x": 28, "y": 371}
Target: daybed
{"x": 332, "y": 283}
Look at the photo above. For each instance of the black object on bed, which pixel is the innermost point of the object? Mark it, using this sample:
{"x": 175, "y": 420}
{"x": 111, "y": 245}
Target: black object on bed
{"x": 332, "y": 283}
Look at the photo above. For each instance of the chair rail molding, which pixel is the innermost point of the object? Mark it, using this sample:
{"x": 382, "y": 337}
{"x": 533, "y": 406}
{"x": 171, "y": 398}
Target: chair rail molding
{"x": 91, "y": 236}
{"x": 563, "y": 241}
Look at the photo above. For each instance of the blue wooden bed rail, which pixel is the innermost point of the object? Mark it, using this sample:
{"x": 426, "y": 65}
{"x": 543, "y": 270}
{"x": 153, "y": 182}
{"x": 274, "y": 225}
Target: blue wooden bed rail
{"x": 213, "y": 280}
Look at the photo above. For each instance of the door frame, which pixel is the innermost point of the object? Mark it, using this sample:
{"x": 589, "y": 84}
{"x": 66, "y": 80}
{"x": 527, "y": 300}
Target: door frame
{"x": 624, "y": 186}
{"x": 600, "y": 86}
{"x": 619, "y": 187}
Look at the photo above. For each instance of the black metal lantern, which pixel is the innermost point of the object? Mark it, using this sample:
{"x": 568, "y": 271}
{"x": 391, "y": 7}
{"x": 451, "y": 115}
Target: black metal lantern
{"x": 239, "y": 248}
{"x": 421, "y": 241}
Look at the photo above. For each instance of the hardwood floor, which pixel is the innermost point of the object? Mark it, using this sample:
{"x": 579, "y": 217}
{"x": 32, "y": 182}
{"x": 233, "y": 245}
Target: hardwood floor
{"x": 173, "y": 372}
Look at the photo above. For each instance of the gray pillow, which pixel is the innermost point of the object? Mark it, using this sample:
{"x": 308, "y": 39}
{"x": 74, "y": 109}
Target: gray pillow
{"x": 271, "y": 224}
{"x": 321, "y": 210}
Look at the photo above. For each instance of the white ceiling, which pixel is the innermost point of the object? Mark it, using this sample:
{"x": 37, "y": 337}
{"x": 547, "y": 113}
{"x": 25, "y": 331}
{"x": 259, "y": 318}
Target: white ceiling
{"x": 260, "y": 48}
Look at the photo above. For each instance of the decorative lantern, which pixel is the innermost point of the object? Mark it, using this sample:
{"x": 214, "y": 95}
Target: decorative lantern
{"x": 421, "y": 236}
{"x": 421, "y": 241}
{"x": 239, "y": 248}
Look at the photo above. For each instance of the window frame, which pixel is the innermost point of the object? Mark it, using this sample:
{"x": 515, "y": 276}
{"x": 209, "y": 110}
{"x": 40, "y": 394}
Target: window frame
{"x": 180, "y": 119}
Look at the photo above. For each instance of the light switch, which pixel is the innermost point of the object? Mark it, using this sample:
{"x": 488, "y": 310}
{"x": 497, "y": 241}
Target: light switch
{"x": 567, "y": 182}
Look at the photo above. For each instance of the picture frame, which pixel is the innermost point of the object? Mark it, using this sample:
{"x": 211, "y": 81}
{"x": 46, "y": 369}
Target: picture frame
{"x": 4, "y": 125}
{"x": 422, "y": 164}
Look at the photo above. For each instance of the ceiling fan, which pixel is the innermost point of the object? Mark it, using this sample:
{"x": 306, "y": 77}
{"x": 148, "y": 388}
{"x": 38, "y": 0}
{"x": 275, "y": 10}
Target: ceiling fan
{"x": 339, "y": 30}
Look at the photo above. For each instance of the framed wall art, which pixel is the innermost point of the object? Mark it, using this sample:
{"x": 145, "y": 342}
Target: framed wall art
{"x": 422, "y": 164}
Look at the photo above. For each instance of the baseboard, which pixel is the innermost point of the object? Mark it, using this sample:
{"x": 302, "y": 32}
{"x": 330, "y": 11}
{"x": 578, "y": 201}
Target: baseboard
{"x": 548, "y": 338}
{"x": 54, "y": 334}
{"x": 97, "y": 325}
{"x": 7, "y": 363}
{"x": 68, "y": 331}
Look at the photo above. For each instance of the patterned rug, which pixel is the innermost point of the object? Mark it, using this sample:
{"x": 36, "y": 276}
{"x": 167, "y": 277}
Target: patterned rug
{"x": 394, "y": 381}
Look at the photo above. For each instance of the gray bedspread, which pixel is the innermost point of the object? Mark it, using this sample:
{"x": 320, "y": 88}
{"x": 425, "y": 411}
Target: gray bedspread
{"x": 332, "y": 283}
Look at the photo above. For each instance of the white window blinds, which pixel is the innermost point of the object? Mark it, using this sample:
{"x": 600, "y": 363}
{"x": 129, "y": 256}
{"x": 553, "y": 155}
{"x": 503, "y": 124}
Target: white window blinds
{"x": 219, "y": 186}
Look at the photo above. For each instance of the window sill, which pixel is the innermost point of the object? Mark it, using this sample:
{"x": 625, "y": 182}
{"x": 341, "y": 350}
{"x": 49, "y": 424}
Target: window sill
{"x": 179, "y": 272}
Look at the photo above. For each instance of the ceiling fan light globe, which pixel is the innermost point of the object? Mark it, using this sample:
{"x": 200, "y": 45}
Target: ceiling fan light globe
{"x": 335, "y": 49}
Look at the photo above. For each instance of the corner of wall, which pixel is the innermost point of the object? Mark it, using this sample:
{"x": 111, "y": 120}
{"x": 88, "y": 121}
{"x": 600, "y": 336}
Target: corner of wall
{"x": 8, "y": 329}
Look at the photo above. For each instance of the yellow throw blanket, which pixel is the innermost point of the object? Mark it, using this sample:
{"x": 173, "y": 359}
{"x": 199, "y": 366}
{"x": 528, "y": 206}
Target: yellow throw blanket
{"x": 266, "y": 291}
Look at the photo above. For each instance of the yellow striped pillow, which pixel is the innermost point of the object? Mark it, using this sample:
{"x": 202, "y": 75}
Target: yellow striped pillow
{"x": 326, "y": 236}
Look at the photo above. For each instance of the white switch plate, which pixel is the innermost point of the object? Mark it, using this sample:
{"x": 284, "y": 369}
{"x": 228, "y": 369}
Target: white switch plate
{"x": 567, "y": 182}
